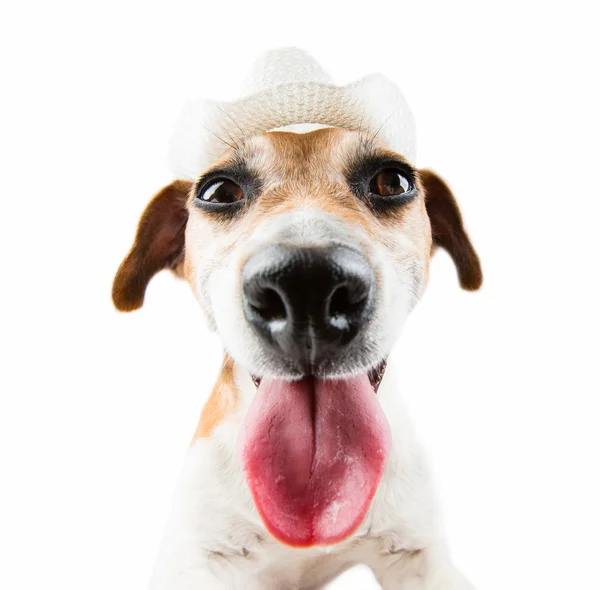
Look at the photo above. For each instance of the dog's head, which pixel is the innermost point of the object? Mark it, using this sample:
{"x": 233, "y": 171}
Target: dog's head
{"x": 306, "y": 251}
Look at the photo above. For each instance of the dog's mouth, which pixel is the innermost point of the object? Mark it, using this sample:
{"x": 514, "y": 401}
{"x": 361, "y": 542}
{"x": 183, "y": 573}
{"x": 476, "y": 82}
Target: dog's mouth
{"x": 313, "y": 452}
{"x": 375, "y": 375}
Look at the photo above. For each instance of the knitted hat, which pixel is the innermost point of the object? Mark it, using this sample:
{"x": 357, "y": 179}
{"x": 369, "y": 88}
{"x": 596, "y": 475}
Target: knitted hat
{"x": 287, "y": 87}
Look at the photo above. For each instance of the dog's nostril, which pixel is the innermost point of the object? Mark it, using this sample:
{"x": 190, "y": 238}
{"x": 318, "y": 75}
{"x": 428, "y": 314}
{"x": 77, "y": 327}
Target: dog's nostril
{"x": 339, "y": 302}
{"x": 269, "y": 306}
{"x": 344, "y": 303}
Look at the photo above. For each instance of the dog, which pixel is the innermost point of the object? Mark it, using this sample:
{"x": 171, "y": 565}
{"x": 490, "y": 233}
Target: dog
{"x": 306, "y": 251}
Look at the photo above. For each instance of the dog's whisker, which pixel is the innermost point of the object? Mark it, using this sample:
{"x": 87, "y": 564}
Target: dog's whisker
{"x": 360, "y": 125}
{"x": 237, "y": 145}
{"x": 218, "y": 136}
{"x": 243, "y": 135}
{"x": 383, "y": 124}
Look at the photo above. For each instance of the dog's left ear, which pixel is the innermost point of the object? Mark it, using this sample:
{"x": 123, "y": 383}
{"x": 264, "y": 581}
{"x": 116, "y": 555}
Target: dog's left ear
{"x": 448, "y": 231}
{"x": 159, "y": 244}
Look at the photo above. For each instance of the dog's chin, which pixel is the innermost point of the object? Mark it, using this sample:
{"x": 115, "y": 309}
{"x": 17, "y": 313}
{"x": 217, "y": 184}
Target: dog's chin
{"x": 375, "y": 374}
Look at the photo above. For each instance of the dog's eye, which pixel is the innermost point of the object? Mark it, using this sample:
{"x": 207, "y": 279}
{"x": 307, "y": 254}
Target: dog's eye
{"x": 222, "y": 191}
{"x": 389, "y": 183}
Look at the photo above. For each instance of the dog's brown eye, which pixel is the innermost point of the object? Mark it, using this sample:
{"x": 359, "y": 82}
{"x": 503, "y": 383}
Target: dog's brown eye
{"x": 222, "y": 191}
{"x": 389, "y": 183}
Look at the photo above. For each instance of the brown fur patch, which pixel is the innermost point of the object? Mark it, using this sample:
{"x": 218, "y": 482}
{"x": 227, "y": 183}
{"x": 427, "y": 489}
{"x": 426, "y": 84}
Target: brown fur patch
{"x": 223, "y": 401}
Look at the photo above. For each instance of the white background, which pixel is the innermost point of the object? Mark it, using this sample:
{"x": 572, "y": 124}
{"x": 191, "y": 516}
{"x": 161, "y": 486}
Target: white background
{"x": 98, "y": 407}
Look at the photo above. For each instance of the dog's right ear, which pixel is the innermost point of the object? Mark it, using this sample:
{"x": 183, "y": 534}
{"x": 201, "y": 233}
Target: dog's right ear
{"x": 159, "y": 244}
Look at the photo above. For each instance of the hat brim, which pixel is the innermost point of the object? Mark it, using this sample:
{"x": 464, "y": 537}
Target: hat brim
{"x": 372, "y": 104}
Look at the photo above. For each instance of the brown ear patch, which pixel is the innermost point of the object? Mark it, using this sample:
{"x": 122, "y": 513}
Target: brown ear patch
{"x": 158, "y": 244}
{"x": 448, "y": 231}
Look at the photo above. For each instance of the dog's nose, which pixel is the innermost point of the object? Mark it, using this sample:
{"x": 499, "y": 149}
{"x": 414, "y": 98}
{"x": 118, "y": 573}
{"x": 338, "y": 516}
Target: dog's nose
{"x": 308, "y": 303}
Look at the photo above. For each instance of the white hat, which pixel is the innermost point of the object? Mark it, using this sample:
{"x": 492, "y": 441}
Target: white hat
{"x": 287, "y": 87}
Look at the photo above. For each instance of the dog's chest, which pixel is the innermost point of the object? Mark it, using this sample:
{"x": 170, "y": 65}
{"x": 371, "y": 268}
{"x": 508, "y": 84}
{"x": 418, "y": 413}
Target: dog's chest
{"x": 270, "y": 566}
{"x": 252, "y": 560}
{"x": 240, "y": 553}
{"x": 215, "y": 525}
{"x": 236, "y": 547}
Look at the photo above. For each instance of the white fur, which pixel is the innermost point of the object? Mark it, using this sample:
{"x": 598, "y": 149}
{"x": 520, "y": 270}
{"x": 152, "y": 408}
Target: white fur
{"x": 215, "y": 539}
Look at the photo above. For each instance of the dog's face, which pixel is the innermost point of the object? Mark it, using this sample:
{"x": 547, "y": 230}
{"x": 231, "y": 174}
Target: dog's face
{"x": 306, "y": 251}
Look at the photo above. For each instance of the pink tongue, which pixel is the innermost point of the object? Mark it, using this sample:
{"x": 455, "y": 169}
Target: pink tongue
{"x": 313, "y": 452}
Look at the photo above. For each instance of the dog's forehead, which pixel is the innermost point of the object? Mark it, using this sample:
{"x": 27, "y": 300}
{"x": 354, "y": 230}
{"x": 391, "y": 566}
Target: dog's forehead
{"x": 296, "y": 148}
{"x": 318, "y": 154}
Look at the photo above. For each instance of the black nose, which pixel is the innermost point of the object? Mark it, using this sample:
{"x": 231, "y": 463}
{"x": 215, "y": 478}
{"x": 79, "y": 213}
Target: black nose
{"x": 307, "y": 303}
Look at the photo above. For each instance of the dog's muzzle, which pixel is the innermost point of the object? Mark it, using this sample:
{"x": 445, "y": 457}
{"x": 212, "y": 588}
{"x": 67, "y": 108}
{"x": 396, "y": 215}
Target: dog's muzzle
{"x": 308, "y": 304}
